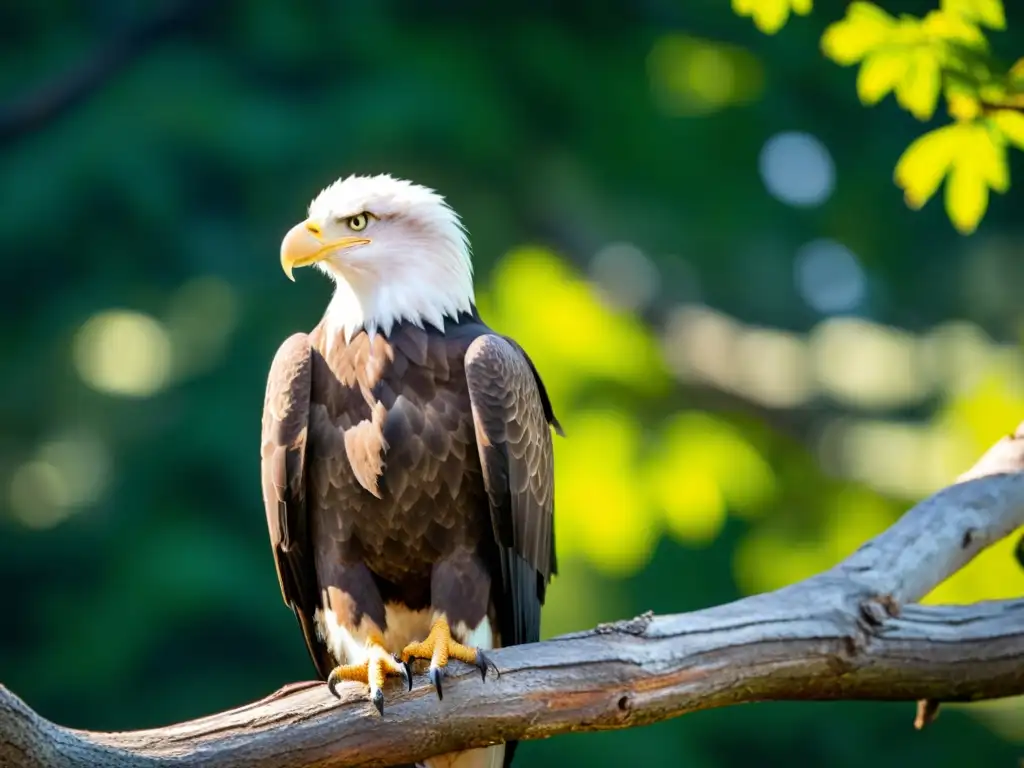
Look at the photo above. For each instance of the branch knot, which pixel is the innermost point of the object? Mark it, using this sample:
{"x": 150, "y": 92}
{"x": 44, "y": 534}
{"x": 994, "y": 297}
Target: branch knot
{"x": 637, "y": 626}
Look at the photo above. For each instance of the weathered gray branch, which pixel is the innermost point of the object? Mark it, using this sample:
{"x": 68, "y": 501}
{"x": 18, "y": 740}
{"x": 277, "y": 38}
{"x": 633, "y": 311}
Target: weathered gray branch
{"x": 849, "y": 633}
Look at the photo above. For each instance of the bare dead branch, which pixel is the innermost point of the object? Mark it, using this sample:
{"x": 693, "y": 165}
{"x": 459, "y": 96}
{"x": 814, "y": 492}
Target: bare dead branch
{"x": 851, "y": 632}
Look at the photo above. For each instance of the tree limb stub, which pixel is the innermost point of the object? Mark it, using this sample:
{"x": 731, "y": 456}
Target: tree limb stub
{"x": 851, "y": 632}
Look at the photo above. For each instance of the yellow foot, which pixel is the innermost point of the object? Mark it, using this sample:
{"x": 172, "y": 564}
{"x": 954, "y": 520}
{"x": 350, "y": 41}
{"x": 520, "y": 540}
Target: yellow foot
{"x": 372, "y": 671}
{"x": 438, "y": 648}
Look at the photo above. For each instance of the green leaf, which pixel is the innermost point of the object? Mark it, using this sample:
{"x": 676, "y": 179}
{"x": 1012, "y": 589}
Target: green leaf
{"x": 980, "y": 164}
{"x": 985, "y": 150}
{"x": 918, "y": 91}
{"x": 953, "y": 29}
{"x": 987, "y": 12}
{"x": 966, "y": 197}
{"x": 923, "y": 164}
{"x": 880, "y": 73}
{"x": 1010, "y": 123}
{"x": 1016, "y": 73}
{"x": 864, "y": 29}
{"x": 771, "y": 15}
{"x": 973, "y": 155}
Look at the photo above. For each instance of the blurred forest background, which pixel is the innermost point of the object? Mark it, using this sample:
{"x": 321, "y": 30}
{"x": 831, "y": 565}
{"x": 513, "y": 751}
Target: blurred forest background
{"x": 760, "y": 355}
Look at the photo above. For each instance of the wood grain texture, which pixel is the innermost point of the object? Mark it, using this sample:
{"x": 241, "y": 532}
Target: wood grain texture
{"x": 852, "y": 632}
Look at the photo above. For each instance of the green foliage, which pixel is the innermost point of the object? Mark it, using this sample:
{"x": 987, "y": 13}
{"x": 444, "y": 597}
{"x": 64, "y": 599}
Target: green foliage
{"x": 943, "y": 54}
{"x": 771, "y": 15}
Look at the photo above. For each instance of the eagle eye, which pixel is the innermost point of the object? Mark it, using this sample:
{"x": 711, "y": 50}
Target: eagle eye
{"x": 358, "y": 222}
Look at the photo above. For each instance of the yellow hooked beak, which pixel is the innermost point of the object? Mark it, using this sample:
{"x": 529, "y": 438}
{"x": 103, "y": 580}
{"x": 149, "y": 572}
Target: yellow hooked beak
{"x": 304, "y": 245}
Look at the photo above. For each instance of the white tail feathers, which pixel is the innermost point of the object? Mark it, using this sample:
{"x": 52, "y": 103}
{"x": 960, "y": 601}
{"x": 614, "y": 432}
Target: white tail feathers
{"x": 484, "y": 757}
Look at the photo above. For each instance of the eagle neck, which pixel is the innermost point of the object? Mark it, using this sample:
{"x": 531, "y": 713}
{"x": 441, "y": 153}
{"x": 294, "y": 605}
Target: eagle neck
{"x": 364, "y": 300}
{"x": 452, "y": 325}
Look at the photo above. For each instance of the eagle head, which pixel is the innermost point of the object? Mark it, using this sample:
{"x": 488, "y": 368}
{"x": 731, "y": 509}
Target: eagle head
{"x": 395, "y": 250}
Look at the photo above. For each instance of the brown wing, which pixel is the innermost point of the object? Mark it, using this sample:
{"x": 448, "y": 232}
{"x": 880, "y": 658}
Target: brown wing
{"x": 512, "y": 415}
{"x": 282, "y": 469}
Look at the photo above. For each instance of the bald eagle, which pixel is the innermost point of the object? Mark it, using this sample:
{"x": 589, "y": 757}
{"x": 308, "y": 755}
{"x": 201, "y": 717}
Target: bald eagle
{"x": 406, "y": 456}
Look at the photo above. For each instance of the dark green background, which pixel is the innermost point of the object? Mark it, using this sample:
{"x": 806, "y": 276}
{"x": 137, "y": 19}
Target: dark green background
{"x": 157, "y": 601}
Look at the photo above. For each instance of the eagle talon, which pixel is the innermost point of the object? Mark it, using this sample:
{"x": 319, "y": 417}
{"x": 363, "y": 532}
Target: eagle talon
{"x": 373, "y": 671}
{"x": 406, "y": 667}
{"x": 435, "y": 674}
{"x": 483, "y": 662}
{"x": 439, "y": 647}
{"x": 332, "y": 683}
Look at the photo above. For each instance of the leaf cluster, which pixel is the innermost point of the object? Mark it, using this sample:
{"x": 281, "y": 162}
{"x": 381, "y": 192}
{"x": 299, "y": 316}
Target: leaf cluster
{"x": 918, "y": 60}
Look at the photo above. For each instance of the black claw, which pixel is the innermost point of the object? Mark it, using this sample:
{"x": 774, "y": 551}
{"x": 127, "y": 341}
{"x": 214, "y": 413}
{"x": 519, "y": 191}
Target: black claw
{"x": 332, "y": 685}
{"x": 435, "y": 678}
{"x": 406, "y": 670}
{"x": 482, "y": 663}
{"x": 378, "y": 700}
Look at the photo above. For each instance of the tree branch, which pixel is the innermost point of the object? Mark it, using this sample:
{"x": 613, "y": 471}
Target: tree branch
{"x": 47, "y": 102}
{"x": 847, "y": 633}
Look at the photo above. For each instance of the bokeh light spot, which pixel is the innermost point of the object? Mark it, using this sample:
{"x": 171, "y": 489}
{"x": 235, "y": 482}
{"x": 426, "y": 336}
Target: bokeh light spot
{"x": 625, "y": 275}
{"x": 702, "y": 468}
{"x": 38, "y": 495}
{"x": 693, "y": 502}
{"x": 600, "y": 513}
{"x": 123, "y": 353}
{"x": 867, "y": 365}
{"x": 773, "y": 367}
{"x": 905, "y": 460}
{"x": 797, "y": 169}
{"x": 68, "y": 473}
{"x": 829, "y": 277}
{"x": 83, "y": 462}
{"x": 203, "y": 314}
{"x": 533, "y": 291}
{"x": 700, "y": 343}
{"x": 692, "y": 76}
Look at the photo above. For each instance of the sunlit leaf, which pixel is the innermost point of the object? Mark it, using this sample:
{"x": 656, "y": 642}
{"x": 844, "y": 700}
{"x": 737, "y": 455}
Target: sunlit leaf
{"x": 596, "y": 339}
{"x": 923, "y": 164}
{"x": 918, "y": 91}
{"x": 1011, "y": 124}
{"x": 769, "y": 556}
{"x": 985, "y": 151}
{"x": 952, "y": 28}
{"x": 1017, "y": 70}
{"x": 695, "y": 509}
{"x": 987, "y": 12}
{"x": 966, "y": 197}
{"x": 600, "y": 513}
{"x": 702, "y": 467}
{"x": 771, "y": 15}
{"x": 865, "y": 27}
{"x": 975, "y": 158}
{"x": 980, "y": 412}
{"x": 962, "y": 106}
{"x": 880, "y": 73}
